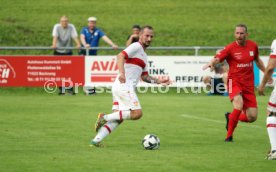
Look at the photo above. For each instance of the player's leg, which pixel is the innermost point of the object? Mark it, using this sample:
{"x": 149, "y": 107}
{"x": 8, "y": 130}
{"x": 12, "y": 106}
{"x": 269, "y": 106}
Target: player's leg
{"x": 130, "y": 108}
{"x": 271, "y": 130}
{"x": 250, "y": 106}
{"x": 126, "y": 106}
{"x": 237, "y": 102}
{"x": 249, "y": 115}
{"x": 108, "y": 127}
{"x": 207, "y": 81}
{"x": 104, "y": 131}
{"x": 271, "y": 125}
{"x": 124, "y": 115}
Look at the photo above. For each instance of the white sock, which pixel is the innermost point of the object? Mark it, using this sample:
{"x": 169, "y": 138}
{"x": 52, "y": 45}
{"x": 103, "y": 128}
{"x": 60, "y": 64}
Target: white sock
{"x": 105, "y": 131}
{"x": 118, "y": 116}
{"x": 271, "y": 129}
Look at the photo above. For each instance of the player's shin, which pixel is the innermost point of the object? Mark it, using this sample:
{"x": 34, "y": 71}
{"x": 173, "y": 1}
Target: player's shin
{"x": 105, "y": 130}
{"x": 233, "y": 121}
{"x": 271, "y": 130}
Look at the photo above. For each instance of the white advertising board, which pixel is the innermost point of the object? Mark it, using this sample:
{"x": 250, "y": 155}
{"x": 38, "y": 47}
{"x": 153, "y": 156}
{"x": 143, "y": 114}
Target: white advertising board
{"x": 182, "y": 70}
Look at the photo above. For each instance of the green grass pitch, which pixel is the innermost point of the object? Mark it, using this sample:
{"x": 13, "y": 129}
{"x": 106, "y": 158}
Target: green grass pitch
{"x": 43, "y": 132}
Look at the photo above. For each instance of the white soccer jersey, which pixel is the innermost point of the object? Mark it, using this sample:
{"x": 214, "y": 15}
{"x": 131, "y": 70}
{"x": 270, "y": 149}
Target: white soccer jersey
{"x": 135, "y": 64}
{"x": 124, "y": 95}
{"x": 273, "y": 49}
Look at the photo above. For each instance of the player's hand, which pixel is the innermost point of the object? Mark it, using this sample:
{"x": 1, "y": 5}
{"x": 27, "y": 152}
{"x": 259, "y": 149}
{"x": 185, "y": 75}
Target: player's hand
{"x": 270, "y": 81}
{"x": 165, "y": 81}
{"x": 115, "y": 47}
{"x": 87, "y": 46}
{"x": 261, "y": 90}
{"x": 208, "y": 65}
{"x": 54, "y": 46}
{"x": 122, "y": 78}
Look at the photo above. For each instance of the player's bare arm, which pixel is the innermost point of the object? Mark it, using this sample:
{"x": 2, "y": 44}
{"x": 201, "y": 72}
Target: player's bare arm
{"x": 120, "y": 62}
{"x": 211, "y": 64}
{"x": 154, "y": 80}
{"x": 267, "y": 75}
{"x": 260, "y": 64}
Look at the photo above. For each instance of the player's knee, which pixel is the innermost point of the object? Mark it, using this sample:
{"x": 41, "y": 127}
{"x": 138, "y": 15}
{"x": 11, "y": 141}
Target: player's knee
{"x": 252, "y": 118}
{"x": 206, "y": 80}
{"x": 238, "y": 105}
{"x": 135, "y": 115}
{"x": 238, "y": 102}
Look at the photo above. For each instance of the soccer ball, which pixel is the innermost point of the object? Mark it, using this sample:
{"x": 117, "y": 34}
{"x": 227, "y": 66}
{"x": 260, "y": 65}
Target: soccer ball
{"x": 151, "y": 142}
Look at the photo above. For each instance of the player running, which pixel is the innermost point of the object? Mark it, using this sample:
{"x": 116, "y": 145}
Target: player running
{"x": 271, "y": 108}
{"x": 132, "y": 65}
{"x": 240, "y": 56}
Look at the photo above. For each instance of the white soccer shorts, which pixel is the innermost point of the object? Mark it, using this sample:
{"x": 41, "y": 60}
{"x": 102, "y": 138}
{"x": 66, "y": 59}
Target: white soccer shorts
{"x": 124, "y": 97}
{"x": 272, "y": 101}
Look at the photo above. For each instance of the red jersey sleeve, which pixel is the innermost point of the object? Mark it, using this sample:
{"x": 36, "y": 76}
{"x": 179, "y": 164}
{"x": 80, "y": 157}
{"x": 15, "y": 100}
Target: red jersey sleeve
{"x": 257, "y": 52}
{"x": 223, "y": 54}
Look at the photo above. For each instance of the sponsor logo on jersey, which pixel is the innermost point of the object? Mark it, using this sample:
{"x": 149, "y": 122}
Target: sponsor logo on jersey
{"x": 251, "y": 53}
{"x": 242, "y": 65}
{"x": 136, "y": 103}
{"x": 238, "y": 55}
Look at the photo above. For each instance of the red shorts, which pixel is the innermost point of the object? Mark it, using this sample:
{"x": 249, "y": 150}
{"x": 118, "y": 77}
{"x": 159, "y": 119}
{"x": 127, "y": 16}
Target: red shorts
{"x": 247, "y": 93}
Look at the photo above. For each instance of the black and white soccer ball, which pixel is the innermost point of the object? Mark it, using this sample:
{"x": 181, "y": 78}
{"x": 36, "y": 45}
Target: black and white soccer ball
{"x": 151, "y": 142}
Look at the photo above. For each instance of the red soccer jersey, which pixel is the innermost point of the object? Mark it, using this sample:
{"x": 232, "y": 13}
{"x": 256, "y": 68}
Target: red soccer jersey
{"x": 240, "y": 60}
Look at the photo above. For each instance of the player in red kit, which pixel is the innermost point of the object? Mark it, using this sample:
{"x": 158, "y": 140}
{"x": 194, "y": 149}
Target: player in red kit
{"x": 240, "y": 56}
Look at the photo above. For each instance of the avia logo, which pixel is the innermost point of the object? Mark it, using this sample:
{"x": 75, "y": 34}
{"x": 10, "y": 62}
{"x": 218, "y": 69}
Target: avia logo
{"x": 107, "y": 66}
{"x": 6, "y": 71}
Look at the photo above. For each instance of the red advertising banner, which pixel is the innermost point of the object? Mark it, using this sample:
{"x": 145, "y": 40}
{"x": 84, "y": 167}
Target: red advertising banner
{"x": 28, "y": 71}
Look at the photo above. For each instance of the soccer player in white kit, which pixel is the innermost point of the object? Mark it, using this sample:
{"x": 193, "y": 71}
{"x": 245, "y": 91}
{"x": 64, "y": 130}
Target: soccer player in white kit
{"x": 132, "y": 65}
{"x": 271, "y": 108}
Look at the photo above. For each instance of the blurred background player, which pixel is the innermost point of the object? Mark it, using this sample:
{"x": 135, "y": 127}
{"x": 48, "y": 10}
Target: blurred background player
{"x": 271, "y": 108}
{"x": 63, "y": 35}
{"x": 134, "y": 37}
{"x": 217, "y": 84}
{"x": 90, "y": 37}
{"x": 132, "y": 65}
{"x": 240, "y": 55}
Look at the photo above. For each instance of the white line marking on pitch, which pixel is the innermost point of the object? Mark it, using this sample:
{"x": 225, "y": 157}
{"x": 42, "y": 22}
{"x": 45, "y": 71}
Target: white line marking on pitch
{"x": 213, "y": 120}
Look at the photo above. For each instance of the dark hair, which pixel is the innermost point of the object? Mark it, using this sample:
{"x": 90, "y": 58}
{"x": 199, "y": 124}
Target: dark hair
{"x": 146, "y": 27}
{"x": 242, "y": 25}
{"x": 136, "y": 26}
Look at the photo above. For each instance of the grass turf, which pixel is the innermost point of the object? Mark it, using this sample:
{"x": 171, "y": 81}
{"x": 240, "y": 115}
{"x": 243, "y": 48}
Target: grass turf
{"x": 43, "y": 132}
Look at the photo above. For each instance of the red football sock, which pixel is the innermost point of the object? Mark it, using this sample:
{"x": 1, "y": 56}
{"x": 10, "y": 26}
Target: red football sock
{"x": 243, "y": 117}
{"x": 233, "y": 121}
